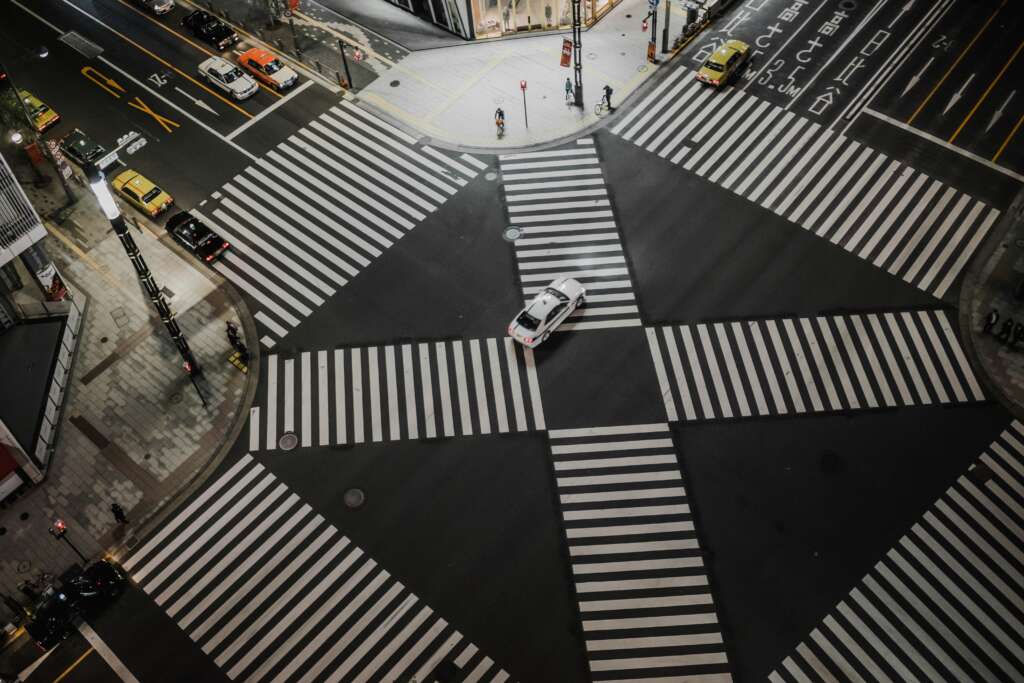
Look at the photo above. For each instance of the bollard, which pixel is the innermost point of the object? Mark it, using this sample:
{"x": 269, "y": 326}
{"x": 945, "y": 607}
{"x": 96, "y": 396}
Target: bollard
{"x": 319, "y": 67}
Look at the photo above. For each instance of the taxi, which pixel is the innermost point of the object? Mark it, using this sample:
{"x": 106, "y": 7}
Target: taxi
{"x": 141, "y": 192}
{"x": 724, "y": 63}
{"x": 43, "y": 118}
{"x": 268, "y": 68}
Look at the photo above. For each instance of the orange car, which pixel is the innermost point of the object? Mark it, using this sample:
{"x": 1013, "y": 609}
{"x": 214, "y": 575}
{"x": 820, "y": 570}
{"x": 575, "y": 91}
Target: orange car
{"x": 268, "y": 68}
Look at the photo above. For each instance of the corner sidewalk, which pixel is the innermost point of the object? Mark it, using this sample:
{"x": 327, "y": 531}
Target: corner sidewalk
{"x": 133, "y": 430}
{"x": 990, "y": 282}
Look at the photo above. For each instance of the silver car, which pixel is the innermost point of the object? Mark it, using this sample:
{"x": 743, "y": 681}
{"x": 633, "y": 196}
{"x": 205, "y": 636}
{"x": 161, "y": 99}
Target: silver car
{"x": 156, "y": 6}
{"x": 549, "y": 308}
{"x": 228, "y": 77}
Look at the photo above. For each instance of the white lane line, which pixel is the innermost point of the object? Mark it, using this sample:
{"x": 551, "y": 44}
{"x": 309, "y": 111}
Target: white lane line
{"x": 376, "y": 430}
{"x": 497, "y": 385}
{"x": 515, "y": 385}
{"x": 245, "y": 126}
{"x": 659, "y": 371}
{"x": 106, "y": 653}
{"x": 323, "y": 398}
{"x": 394, "y": 419}
{"x": 289, "y": 395}
{"x": 341, "y": 429}
{"x": 465, "y": 416}
{"x": 444, "y": 388}
{"x": 427, "y": 387}
{"x": 254, "y": 428}
{"x": 357, "y": 396}
{"x": 409, "y": 384}
{"x": 531, "y": 378}
{"x": 483, "y": 414}
{"x": 272, "y": 402}
{"x": 307, "y": 401}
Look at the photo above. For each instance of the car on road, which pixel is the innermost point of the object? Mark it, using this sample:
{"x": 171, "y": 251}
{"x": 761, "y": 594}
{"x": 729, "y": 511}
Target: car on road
{"x": 228, "y": 78}
{"x": 142, "y": 192}
{"x": 54, "y": 614}
{"x": 268, "y": 68}
{"x": 156, "y": 6}
{"x": 43, "y": 118}
{"x": 724, "y": 63}
{"x": 196, "y": 236}
{"x": 210, "y": 29}
{"x": 547, "y": 311}
{"x": 83, "y": 150}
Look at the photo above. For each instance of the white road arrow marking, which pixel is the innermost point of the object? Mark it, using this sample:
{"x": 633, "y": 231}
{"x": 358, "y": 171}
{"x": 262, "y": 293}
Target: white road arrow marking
{"x": 915, "y": 79}
{"x": 197, "y": 102}
{"x": 958, "y": 95}
{"x": 903, "y": 10}
{"x": 999, "y": 112}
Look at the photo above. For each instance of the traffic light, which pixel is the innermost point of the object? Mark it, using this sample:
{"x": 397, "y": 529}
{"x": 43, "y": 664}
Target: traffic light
{"x": 59, "y": 528}
{"x": 643, "y": 26}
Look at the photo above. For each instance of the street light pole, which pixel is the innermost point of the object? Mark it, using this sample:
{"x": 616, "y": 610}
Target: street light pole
{"x": 577, "y": 52}
{"x": 664, "y": 32}
{"x": 113, "y": 214}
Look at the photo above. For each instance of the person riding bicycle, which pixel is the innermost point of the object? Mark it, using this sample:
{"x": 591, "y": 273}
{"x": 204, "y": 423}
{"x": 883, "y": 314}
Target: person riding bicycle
{"x": 499, "y": 118}
{"x": 608, "y": 96}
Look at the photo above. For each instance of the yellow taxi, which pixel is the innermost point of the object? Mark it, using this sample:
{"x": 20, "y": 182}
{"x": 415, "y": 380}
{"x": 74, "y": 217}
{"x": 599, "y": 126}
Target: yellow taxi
{"x": 43, "y": 117}
{"x": 268, "y": 68}
{"x": 724, "y": 63}
{"x": 142, "y": 193}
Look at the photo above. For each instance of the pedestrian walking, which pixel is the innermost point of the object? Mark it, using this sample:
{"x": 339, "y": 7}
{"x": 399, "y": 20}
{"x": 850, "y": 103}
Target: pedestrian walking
{"x": 119, "y": 515}
{"x": 568, "y": 91}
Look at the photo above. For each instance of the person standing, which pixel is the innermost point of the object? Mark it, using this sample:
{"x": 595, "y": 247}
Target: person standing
{"x": 608, "y": 96}
{"x": 568, "y": 90}
{"x": 119, "y": 515}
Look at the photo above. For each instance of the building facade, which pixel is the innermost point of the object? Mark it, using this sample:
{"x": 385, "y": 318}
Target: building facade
{"x": 476, "y": 19}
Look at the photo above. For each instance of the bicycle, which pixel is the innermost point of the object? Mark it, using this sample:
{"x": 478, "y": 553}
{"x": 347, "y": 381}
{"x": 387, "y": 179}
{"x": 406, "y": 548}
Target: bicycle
{"x": 499, "y": 122}
{"x": 601, "y": 107}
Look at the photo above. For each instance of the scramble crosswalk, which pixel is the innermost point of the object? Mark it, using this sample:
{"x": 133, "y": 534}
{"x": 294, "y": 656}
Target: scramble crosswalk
{"x": 271, "y": 591}
{"x": 946, "y": 603}
{"x": 882, "y": 210}
{"x": 402, "y": 391}
{"x": 559, "y": 201}
{"x": 316, "y": 210}
{"x": 798, "y": 365}
{"x": 641, "y": 584}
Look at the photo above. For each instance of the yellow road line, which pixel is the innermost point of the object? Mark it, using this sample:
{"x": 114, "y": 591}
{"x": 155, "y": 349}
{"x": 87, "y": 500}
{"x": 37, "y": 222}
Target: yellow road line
{"x": 185, "y": 39}
{"x": 987, "y": 91}
{"x": 71, "y": 668}
{"x": 178, "y": 71}
{"x": 1009, "y": 137}
{"x": 951, "y": 68}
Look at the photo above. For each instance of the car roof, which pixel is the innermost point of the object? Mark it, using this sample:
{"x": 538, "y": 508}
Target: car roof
{"x": 220, "y": 65}
{"x": 260, "y": 55}
{"x": 542, "y": 304}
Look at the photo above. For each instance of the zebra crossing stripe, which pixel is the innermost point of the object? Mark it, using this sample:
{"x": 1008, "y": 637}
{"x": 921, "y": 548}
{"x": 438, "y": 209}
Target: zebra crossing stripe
{"x": 389, "y": 393}
{"x": 910, "y": 606}
{"x": 615, "y": 505}
{"x": 245, "y": 566}
{"x": 824, "y": 182}
{"x": 832, "y": 363}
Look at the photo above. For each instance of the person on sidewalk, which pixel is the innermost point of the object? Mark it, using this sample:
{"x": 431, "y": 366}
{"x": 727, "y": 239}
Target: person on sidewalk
{"x": 568, "y": 91}
{"x": 119, "y": 515}
{"x": 608, "y": 96}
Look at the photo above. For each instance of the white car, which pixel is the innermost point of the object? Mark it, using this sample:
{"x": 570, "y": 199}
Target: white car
{"x": 228, "y": 77}
{"x": 549, "y": 308}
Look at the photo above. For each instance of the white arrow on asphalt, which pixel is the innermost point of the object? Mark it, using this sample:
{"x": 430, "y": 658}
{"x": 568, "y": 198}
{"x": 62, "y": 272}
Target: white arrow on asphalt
{"x": 903, "y": 10}
{"x": 958, "y": 95}
{"x": 914, "y": 79}
{"x": 999, "y": 112}
{"x": 198, "y": 103}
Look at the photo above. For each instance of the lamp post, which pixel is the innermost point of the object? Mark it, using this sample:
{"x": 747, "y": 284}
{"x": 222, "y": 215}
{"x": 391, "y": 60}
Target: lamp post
{"x": 113, "y": 214}
{"x": 59, "y": 530}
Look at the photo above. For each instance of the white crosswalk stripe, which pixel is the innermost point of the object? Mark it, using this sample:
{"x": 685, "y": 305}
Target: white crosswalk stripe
{"x": 869, "y": 204}
{"x": 641, "y": 585}
{"x": 314, "y": 212}
{"x": 569, "y": 229}
{"x": 797, "y": 365}
{"x": 255, "y": 589}
{"x": 405, "y": 391}
{"x": 946, "y": 603}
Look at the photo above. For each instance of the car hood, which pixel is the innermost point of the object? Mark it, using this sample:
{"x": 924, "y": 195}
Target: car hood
{"x": 242, "y": 85}
{"x": 284, "y": 76}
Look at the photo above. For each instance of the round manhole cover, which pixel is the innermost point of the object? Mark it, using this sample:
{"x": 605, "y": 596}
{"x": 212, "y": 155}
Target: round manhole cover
{"x": 1020, "y": 244}
{"x": 288, "y": 441}
{"x": 104, "y": 340}
{"x": 847, "y": 5}
{"x": 24, "y": 566}
{"x": 395, "y": 83}
{"x": 354, "y": 498}
{"x": 491, "y": 175}
{"x": 512, "y": 233}
{"x": 23, "y": 516}
{"x": 642, "y": 68}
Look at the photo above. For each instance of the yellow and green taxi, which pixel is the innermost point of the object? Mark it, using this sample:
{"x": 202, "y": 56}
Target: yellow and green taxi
{"x": 142, "y": 193}
{"x": 724, "y": 63}
{"x": 42, "y": 116}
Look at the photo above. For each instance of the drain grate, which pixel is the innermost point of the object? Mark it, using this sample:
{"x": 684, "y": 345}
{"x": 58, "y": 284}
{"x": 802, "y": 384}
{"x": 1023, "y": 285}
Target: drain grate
{"x": 81, "y": 44}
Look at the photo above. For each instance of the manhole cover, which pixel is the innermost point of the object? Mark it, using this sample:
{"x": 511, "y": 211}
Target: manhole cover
{"x": 847, "y": 5}
{"x": 1020, "y": 244}
{"x": 104, "y": 340}
{"x": 23, "y": 516}
{"x": 288, "y": 441}
{"x": 354, "y": 498}
{"x": 175, "y": 398}
{"x": 512, "y": 233}
{"x": 24, "y": 566}
{"x": 491, "y": 175}
{"x": 642, "y": 68}
{"x": 395, "y": 83}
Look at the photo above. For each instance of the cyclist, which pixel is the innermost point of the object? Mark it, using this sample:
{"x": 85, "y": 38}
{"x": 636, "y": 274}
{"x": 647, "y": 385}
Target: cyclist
{"x": 499, "y": 120}
{"x": 608, "y": 97}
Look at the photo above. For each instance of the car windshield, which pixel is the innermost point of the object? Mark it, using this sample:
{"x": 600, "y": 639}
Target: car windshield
{"x": 40, "y": 109}
{"x": 273, "y": 66}
{"x": 555, "y": 293}
{"x": 231, "y": 76}
{"x": 151, "y": 195}
{"x": 528, "y": 321}
{"x": 714, "y": 66}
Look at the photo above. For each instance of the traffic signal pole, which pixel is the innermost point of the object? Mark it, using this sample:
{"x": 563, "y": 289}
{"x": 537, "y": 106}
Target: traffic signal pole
{"x": 577, "y": 53}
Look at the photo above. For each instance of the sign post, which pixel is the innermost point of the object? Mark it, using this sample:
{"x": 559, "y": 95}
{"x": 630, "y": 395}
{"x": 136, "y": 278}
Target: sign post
{"x": 526, "y": 119}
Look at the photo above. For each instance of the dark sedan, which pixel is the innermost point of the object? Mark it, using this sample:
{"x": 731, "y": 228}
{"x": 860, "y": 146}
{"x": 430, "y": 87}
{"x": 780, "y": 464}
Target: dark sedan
{"x": 53, "y": 617}
{"x": 210, "y": 29}
{"x": 195, "y": 236}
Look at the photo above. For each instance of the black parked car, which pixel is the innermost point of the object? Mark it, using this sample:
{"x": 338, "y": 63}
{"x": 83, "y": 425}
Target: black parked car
{"x": 53, "y": 617}
{"x": 196, "y": 236}
{"x": 210, "y": 29}
{"x": 83, "y": 150}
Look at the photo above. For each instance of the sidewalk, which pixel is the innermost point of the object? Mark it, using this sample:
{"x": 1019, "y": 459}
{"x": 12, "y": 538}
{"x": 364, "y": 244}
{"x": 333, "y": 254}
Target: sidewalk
{"x": 133, "y": 429}
{"x": 989, "y": 284}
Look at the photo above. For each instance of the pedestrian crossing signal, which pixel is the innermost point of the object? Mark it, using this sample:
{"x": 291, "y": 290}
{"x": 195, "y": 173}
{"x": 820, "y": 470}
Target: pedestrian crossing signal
{"x": 643, "y": 26}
